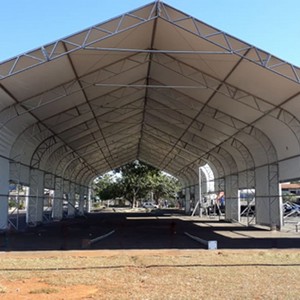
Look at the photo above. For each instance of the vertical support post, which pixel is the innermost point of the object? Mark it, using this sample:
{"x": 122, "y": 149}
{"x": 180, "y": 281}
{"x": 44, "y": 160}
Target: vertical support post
{"x": 71, "y": 201}
{"x": 57, "y": 208}
{"x": 35, "y": 204}
{"x": 81, "y": 201}
{"x": 200, "y": 193}
{"x": 276, "y": 214}
{"x": 197, "y": 200}
{"x": 268, "y": 203}
{"x": 85, "y": 196}
{"x": 18, "y": 206}
{"x": 280, "y": 203}
{"x": 66, "y": 193}
{"x": 192, "y": 197}
{"x": 4, "y": 191}
{"x": 27, "y": 197}
{"x": 232, "y": 201}
{"x": 89, "y": 200}
{"x": 187, "y": 201}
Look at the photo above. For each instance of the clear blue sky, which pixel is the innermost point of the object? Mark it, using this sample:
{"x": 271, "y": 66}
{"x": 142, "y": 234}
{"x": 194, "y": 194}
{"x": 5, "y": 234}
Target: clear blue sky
{"x": 272, "y": 25}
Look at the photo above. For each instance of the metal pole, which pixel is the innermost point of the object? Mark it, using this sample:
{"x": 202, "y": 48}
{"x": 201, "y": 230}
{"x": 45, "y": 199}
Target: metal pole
{"x": 154, "y": 86}
{"x": 18, "y": 205}
{"x": 159, "y": 51}
{"x": 200, "y": 196}
{"x": 36, "y": 205}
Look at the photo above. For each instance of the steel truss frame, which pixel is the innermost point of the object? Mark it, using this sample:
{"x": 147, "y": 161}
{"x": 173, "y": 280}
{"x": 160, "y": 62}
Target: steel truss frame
{"x": 35, "y": 204}
{"x": 281, "y": 114}
{"x": 172, "y": 147}
{"x": 231, "y": 90}
{"x": 94, "y": 34}
{"x": 275, "y": 206}
{"x": 235, "y": 92}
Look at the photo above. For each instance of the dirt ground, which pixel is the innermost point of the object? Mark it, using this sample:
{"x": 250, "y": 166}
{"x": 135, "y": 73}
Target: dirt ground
{"x": 150, "y": 274}
{"x": 148, "y": 256}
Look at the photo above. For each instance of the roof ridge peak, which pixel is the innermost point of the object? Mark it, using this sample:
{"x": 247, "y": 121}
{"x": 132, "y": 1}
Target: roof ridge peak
{"x": 158, "y": 7}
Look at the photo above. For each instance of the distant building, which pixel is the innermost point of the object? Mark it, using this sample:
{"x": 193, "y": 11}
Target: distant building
{"x": 291, "y": 189}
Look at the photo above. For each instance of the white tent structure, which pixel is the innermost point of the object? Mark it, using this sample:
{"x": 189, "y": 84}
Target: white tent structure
{"x": 157, "y": 85}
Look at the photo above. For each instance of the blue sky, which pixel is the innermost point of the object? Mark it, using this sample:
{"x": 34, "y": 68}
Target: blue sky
{"x": 272, "y": 25}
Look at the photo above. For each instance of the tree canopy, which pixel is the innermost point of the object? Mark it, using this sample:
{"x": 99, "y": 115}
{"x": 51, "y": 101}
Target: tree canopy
{"x": 136, "y": 181}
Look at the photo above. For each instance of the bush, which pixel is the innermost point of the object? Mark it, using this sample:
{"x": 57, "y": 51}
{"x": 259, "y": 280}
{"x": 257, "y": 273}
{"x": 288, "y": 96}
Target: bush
{"x": 12, "y": 203}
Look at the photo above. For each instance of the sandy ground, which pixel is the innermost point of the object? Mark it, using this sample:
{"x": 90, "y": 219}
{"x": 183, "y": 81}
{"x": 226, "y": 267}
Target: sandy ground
{"x": 150, "y": 274}
{"x": 149, "y": 257}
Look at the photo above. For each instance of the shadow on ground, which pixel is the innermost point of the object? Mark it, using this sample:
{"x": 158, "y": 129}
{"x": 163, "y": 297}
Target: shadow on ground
{"x": 154, "y": 230}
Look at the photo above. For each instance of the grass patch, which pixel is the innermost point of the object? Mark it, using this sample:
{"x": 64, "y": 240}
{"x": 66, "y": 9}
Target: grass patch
{"x": 44, "y": 291}
{"x": 2, "y": 290}
{"x": 222, "y": 274}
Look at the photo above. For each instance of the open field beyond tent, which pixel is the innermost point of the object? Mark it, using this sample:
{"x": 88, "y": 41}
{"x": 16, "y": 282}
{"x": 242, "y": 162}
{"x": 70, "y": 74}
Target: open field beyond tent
{"x": 150, "y": 274}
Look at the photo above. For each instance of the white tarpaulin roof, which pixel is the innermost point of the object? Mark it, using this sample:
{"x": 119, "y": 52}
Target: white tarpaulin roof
{"x": 156, "y": 85}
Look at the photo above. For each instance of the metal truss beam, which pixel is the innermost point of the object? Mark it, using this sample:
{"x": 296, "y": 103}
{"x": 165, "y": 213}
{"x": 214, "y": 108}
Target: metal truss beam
{"x": 148, "y": 77}
{"x": 214, "y": 164}
{"x": 90, "y": 107}
{"x": 171, "y": 134}
{"x": 95, "y": 34}
{"x": 36, "y": 156}
{"x": 228, "y": 43}
{"x": 199, "y": 112}
{"x": 190, "y": 150}
{"x": 125, "y": 148}
{"x": 77, "y": 42}
{"x": 44, "y": 147}
{"x": 201, "y": 79}
{"x": 84, "y": 149}
{"x": 49, "y": 181}
{"x": 61, "y": 157}
{"x": 177, "y": 161}
{"x": 164, "y": 141}
{"x": 150, "y": 157}
{"x": 263, "y": 140}
{"x": 68, "y": 89}
{"x": 155, "y": 51}
{"x": 85, "y": 153}
{"x": 181, "y": 144}
{"x": 85, "y": 176}
{"x": 249, "y": 174}
{"x": 41, "y": 150}
{"x": 265, "y": 143}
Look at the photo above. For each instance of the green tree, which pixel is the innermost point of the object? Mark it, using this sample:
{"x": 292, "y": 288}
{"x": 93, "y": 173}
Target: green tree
{"x": 134, "y": 181}
{"x": 164, "y": 187}
{"x": 106, "y": 187}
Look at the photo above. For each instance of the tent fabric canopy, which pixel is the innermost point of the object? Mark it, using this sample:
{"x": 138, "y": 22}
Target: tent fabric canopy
{"x": 153, "y": 84}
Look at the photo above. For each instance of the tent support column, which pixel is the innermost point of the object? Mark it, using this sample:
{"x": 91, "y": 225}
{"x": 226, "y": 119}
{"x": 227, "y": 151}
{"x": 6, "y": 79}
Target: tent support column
{"x": 85, "y": 198}
{"x": 197, "y": 210}
{"x": 89, "y": 200}
{"x": 187, "y": 201}
{"x": 4, "y": 190}
{"x": 81, "y": 201}
{"x": 71, "y": 201}
{"x": 57, "y": 208}
{"x": 35, "y": 204}
{"x": 268, "y": 203}
{"x": 232, "y": 202}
